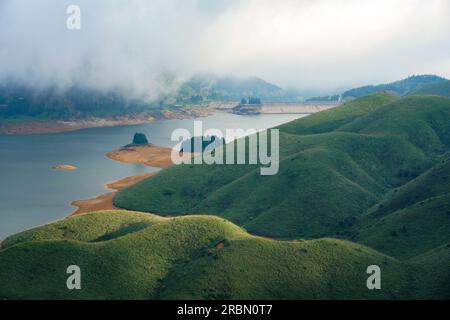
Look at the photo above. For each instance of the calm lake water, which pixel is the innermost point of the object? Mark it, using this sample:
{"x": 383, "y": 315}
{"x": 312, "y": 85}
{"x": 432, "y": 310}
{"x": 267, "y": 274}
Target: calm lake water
{"x": 32, "y": 193}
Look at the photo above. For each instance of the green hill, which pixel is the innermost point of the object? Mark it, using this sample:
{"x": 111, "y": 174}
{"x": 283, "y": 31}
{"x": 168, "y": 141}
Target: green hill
{"x": 18, "y": 100}
{"x": 411, "y": 219}
{"x": 210, "y": 87}
{"x": 439, "y": 89}
{"x": 128, "y": 255}
{"x": 404, "y": 87}
{"x": 433, "y": 273}
{"x": 400, "y": 88}
{"x": 375, "y": 171}
{"x": 333, "y": 119}
{"x": 335, "y": 165}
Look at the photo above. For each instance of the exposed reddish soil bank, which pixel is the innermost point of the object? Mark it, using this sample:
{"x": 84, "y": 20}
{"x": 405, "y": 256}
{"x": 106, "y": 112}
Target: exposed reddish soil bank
{"x": 105, "y": 201}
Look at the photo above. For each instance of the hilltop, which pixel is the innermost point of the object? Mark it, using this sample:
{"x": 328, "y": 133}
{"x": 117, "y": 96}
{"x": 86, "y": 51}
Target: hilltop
{"x": 374, "y": 171}
{"x": 412, "y": 219}
{"x": 128, "y": 255}
{"x": 334, "y": 166}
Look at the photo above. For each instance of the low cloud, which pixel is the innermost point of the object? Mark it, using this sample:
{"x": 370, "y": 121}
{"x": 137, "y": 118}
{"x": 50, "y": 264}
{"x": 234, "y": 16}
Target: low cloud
{"x": 140, "y": 47}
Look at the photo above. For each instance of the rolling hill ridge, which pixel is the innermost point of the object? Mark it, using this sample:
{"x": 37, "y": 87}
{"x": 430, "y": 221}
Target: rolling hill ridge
{"x": 128, "y": 255}
{"x": 331, "y": 172}
{"x": 367, "y": 183}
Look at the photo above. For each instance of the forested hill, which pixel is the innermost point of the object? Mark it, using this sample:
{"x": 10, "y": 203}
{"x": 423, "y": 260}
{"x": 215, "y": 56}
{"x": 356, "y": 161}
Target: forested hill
{"x": 399, "y": 88}
{"x": 76, "y": 102}
{"x": 20, "y": 100}
{"x": 210, "y": 87}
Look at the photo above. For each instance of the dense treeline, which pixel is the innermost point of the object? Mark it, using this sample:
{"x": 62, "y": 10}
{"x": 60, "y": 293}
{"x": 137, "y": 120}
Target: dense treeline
{"x": 76, "y": 102}
{"x": 72, "y": 103}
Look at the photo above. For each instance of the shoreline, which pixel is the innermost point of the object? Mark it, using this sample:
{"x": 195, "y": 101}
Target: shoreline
{"x": 105, "y": 200}
{"x": 34, "y": 127}
{"x": 30, "y": 126}
{"x": 149, "y": 155}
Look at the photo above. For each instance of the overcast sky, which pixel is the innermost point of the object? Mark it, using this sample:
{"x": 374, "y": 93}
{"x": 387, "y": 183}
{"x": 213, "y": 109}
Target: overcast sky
{"x": 319, "y": 45}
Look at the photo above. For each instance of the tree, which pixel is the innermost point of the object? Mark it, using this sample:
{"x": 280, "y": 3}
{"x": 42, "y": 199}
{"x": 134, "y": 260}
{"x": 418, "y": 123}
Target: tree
{"x": 140, "y": 139}
{"x": 254, "y": 100}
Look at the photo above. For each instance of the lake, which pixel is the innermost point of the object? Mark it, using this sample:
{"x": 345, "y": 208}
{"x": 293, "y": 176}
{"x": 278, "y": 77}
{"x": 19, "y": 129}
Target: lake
{"x": 32, "y": 193}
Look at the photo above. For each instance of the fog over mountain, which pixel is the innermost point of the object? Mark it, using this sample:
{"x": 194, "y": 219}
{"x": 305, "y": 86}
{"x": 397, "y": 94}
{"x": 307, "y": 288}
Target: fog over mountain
{"x": 140, "y": 47}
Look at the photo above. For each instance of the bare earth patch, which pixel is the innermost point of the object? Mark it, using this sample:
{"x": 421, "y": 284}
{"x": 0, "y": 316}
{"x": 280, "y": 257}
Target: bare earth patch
{"x": 220, "y": 245}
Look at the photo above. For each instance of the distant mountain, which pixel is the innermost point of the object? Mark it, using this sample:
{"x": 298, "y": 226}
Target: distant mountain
{"x": 18, "y": 100}
{"x": 209, "y": 87}
{"x": 398, "y": 88}
{"x": 75, "y": 102}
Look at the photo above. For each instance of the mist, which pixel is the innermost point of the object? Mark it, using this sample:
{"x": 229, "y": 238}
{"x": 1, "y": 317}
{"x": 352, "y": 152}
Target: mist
{"x": 148, "y": 47}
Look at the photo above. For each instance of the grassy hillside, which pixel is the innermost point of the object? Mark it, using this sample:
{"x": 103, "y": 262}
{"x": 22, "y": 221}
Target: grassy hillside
{"x": 439, "y": 89}
{"x": 375, "y": 171}
{"x": 334, "y": 166}
{"x": 412, "y": 219}
{"x": 333, "y": 119}
{"x": 127, "y": 255}
{"x": 433, "y": 273}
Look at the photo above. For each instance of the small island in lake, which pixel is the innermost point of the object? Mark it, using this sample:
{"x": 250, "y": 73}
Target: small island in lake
{"x": 141, "y": 151}
{"x": 65, "y": 167}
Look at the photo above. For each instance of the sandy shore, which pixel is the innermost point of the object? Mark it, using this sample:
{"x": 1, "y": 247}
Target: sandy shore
{"x": 150, "y": 155}
{"x": 105, "y": 201}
